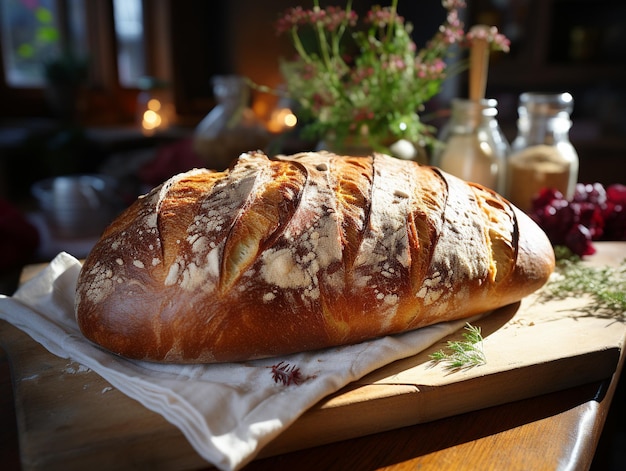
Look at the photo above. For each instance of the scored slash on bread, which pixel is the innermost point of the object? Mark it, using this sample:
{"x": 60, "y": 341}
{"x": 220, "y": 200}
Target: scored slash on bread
{"x": 302, "y": 252}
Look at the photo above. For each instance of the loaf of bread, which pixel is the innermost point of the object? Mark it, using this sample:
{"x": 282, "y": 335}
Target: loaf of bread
{"x": 302, "y": 252}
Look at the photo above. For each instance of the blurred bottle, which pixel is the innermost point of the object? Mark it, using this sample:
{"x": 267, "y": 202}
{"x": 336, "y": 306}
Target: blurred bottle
{"x": 231, "y": 127}
{"x": 542, "y": 154}
{"x": 475, "y": 149}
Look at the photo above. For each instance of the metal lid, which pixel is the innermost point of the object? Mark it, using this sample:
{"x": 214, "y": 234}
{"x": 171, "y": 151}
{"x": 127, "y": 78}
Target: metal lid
{"x": 549, "y": 104}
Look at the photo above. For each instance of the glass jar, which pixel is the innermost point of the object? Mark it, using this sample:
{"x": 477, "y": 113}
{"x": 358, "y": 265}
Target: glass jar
{"x": 542, "y": 154}
{"x": 231, "y": 127}
{"x": 475, "y": 149}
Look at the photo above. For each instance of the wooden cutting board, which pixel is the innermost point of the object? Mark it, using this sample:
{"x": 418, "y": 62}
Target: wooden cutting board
{"x": 70, "y": 418}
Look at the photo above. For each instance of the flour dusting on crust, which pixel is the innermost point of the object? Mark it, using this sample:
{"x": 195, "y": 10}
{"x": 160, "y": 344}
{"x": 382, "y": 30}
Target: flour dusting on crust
{"x": 275, "y": 256}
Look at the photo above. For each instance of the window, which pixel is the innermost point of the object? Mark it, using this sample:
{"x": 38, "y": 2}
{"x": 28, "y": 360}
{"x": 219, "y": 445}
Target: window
{"x": 38, "y": 32}
{"x": 30, "y": 37}
{"x": 35, "y": 32}
{"x": 129, "y": 32}
{"x": 180, "y": 42}
{"x": 102, "y": 40}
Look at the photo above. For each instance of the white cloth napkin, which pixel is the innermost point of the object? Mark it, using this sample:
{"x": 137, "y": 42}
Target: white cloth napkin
{"x": 228, "y": 412}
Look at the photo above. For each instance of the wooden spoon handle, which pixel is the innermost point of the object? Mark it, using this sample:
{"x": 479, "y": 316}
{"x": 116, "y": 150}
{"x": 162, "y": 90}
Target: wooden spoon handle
{"x": 479, "y": 62}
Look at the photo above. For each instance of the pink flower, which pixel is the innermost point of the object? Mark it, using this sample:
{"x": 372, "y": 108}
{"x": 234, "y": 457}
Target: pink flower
{"x": 292, "y": 17}
{"x": 330, "y": 18}
{"x": 451, "y": 34}
{"x": 498, "y": 41}
{"x": 363, "y": 115}
{"x": 309, "y": 72}
{"x": 337, "y": 16}
{"x": 395, "y": 63}
{"x": 453, "y": 19}
{"x": 382, "y": 17}
{"x": 361, "y": 74}
{"x": 453, "y": 4}
{"x": 431, "y": 70}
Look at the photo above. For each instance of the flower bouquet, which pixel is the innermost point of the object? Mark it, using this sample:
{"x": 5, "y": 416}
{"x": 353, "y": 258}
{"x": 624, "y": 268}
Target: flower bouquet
{"x": 368, "y": 78}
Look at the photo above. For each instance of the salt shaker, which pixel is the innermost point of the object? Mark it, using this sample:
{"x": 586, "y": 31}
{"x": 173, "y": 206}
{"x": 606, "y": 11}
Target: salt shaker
{"x": 542, "y": 154}
{"x": 475, "y": 149}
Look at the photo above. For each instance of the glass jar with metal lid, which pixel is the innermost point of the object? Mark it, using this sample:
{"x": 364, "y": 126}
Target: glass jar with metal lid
{"x": 542, "y": 155}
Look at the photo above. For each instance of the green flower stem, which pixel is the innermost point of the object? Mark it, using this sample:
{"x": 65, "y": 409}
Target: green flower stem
{"x": 340, "y": 33}
{"x": 390, "y": 26}
{"x": 334, "y": 79}
{"x": 321, "y": 38}
{"x": 297, "y": 44}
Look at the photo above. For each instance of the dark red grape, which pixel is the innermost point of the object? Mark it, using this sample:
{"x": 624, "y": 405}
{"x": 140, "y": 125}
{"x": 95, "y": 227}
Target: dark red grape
{"x": 545, "y": 197}
{"x": 615, "y": 222}
{"x": 578, "y": 240}
{"x": 590, "y": 192}
{"x": 616, "y": 194}
{"x": 593, "y": 213}
{"x": 590, "y": 215}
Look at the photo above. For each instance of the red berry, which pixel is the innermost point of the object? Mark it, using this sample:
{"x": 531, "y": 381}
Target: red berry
{"x": 578, "y": 240}
{"x": 616, "y": 194}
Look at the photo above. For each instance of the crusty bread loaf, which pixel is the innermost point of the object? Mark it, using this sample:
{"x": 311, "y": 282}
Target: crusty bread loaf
{"x": 302, "y": 252}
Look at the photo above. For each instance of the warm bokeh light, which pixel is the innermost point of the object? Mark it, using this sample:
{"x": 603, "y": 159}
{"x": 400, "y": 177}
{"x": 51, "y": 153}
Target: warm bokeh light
{"x": 154, "y": 104}
{"x": 151, "y": 120}
{"x": 290, "y": 120}
{"x": 155, "y": 116}
{"x": 281, "y": 120}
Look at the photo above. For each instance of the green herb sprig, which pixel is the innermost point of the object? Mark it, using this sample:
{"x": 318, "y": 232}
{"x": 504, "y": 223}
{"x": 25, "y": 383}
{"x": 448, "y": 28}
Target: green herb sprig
{"x": 606, "y": 286}
{"x": 465, "y": 353}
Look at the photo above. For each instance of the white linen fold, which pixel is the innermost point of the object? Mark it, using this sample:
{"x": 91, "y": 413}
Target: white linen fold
{"x": 228, "y": 412}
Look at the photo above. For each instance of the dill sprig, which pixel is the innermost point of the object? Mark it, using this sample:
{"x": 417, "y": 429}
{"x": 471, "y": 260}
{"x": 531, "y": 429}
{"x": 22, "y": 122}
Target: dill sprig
{"x": 464, "y": 353}
{"x": 606, "y": 286}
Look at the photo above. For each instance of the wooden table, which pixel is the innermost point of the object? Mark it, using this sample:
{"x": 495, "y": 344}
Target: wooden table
{"x": 555, "y": 431}
{"x": 560, "y": 430}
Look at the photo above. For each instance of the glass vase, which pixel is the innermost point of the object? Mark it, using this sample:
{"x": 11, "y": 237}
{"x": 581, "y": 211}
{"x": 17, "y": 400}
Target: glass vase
{"x": 361, "y": 145}
{"x": 231, "y": 128}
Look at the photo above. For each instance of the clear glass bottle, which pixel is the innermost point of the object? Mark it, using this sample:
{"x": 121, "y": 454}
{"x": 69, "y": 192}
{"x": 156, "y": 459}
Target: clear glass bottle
{"x": 542, "y": 154}
{"x": 475, "y": 149}
{"x": 231, "y": 127}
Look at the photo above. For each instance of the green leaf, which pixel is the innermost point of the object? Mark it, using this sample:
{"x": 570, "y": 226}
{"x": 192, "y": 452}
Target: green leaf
{"x": 26, "y": 51}
{"x": 44, "y": 15}
{"x": 47, "y": 34}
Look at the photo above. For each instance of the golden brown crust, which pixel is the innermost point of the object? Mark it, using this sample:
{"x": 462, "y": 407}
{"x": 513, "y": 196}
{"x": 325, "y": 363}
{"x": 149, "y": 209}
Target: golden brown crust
{"x": 302, "y": 252}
